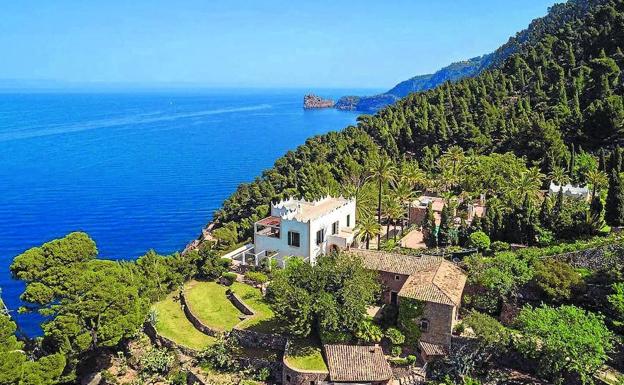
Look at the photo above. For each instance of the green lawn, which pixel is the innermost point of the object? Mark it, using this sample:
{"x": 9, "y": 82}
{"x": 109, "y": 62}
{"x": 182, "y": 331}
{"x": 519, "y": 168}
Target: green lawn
{"x": 263, "y": 319}
{"x": 173, "y": 324}
{"x": 305, "y": 355}
{"x": 209, "y": 303}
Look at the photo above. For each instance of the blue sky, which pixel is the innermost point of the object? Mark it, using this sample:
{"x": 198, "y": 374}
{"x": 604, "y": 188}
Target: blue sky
{"x": 262, "y": 43}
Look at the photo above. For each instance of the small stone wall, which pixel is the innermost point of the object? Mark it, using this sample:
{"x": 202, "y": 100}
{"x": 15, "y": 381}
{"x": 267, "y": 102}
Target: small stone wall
{"x": 161, "y": 341}
{"x": 275, "y": 367}
{"x": 252, "y": 339}
{"x": 239, "y": 303}
{"x": 194, "y": 320}
{"x": 292, "y": 376}
{"x": 597, "y": 258}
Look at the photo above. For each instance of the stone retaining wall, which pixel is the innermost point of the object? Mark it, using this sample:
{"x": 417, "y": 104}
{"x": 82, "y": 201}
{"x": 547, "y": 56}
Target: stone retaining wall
{"x": 597, "y": 258}
{"x": 194, "y": 320}
{"x": 275, "y": 367}
{"x": 292, "y": 376}
{"x": 239, "y": 303}
{"x": 252, "y": 339}
{"x": 161, "y": 341}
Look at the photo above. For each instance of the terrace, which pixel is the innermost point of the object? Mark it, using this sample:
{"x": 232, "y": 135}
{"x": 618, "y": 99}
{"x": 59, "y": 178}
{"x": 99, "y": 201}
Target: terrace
{"x": 268, "y": 227}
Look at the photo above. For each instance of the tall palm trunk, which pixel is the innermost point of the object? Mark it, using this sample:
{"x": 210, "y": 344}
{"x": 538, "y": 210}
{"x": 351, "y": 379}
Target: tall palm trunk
{"x": 387, "y": 228}
{"x": 379, "y": 216}
{"x": 368, "y": 242}
{"x": 395, "y": 232}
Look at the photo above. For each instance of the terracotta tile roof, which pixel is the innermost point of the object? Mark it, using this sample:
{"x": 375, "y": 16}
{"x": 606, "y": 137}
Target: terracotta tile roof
{"x": 395, "y": 263}
{"x": 432, "y": 349}
{"x": 431, "y": 279}
{"x": 354, "y": 363}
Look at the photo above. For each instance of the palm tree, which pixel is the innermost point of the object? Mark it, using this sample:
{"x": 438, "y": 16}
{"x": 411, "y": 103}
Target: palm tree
{"x": 527, "y": 184}
{"x": 559, "y": 176}
{"x": 598, "y": 180}
{"x": 395, "y": 212}
{"x": 454, "y": 155}
{"x": 405, "y": 195}
{"x": 366, "y": 229}
{"x": 382, "y": 170}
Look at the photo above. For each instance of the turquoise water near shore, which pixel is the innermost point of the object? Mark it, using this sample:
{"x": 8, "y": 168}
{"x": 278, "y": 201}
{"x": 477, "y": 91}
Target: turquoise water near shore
{"x": 136, "y": 170}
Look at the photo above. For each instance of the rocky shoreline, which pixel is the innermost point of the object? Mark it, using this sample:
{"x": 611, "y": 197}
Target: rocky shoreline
{"x": 311, "y": 101}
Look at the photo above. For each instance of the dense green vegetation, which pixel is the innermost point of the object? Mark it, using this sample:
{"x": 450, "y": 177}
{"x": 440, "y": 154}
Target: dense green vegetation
{"x": 93, "y": 305}
{"x": 557, "y": 15}
{"x": 556, "y": 103}
{"x": 552, "y": 111}
{"x": 328, "y": 299}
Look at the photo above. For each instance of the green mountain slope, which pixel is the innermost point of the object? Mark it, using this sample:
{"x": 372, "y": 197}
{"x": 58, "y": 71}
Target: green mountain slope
{"x": 566, "y": 89}
{"x": 557, "y": 16}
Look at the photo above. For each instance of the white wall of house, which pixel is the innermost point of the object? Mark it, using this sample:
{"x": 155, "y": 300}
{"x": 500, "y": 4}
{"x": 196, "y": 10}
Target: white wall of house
{"x": 325, "y": 222}
{"x": 308, "y": 248}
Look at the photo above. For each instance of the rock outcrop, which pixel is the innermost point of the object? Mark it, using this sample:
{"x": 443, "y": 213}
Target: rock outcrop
{"x": 314, "y": 101}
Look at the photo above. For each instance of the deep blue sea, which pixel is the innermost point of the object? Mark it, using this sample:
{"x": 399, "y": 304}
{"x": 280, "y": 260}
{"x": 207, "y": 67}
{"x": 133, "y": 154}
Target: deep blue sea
{"x": 136, "y": 170}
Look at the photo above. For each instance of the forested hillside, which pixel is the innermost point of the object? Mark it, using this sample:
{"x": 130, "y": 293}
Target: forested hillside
{"x": 557, "y": 16}
{"x": 563, "y": 91}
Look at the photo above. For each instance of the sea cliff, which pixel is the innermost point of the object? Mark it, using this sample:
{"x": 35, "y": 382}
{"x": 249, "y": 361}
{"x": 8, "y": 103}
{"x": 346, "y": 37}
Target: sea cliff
{"x": 314, "y": 101}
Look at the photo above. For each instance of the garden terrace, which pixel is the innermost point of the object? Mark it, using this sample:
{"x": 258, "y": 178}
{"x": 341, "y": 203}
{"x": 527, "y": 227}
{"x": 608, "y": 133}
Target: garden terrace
{"x": 263, "y": 317}
{"x": 172, "y": 324}
{"x": 305, "y": 355}
{"x": 209, "y": 303}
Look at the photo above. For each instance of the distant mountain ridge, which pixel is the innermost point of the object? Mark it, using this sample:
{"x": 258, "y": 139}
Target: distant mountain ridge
{"x": 557, "y": 15}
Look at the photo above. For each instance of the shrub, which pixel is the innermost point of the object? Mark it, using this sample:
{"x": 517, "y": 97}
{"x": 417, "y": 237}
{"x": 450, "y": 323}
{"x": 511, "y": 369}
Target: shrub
{"x": 257, "y": 277}
{"x": 498, "y": 246}
{"x": 367, "y": 331}
{"x": 332, "y": 337}
{"x": 262, "y": 374}
{"x": 221, "y": 355}
{"x": 157, "y": 361}
{"x": 395, "y": 336}
{"x": 396, "y": 351}
{"x": 480, "y": 240}
{"x": 178, "y": 378}
{"x": 229, "y": 278}
{"x": 410, "y": 310}
{"x": 557, "y": 279}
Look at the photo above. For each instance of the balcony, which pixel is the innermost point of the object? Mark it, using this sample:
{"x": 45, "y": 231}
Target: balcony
{"x": 342, "y": 240}
{"x": 268, "y": 227}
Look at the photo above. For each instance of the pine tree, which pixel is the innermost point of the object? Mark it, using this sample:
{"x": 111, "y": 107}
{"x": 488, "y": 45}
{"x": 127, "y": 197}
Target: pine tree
{"x": 614, "y": 214}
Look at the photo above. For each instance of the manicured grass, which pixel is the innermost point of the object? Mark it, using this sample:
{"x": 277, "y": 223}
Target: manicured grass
{"x": 209, "y": 303}
{"x": 173, "y": 324}
{"x": 305, "y": 355}
{"x": 263, "y": 319}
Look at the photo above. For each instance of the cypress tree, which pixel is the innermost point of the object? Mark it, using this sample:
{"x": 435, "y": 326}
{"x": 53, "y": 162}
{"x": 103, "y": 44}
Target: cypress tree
{"x": 429, "y": 227}
{"x": 614, "y": 214}
{"x": 615, "y": 161}
{"x": 572, "y": 163}
{"x": 545, "y": 212}
{"x": 602, "y": 160}
{"x": 444, "y": 234}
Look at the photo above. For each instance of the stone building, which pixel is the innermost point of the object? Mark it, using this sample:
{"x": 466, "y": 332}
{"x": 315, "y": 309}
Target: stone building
{"x": 434, "y": 281}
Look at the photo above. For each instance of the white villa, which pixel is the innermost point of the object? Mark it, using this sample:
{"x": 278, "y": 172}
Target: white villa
{"x": 301, "y": 228}
{"x": 569, "y": 191}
